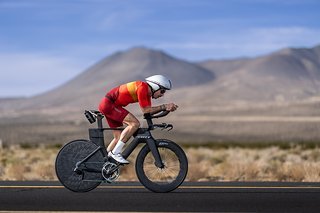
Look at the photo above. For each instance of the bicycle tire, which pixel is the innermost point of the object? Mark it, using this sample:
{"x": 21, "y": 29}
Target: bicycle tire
{"x": 66, "y": 160}
{"x": 167, "y": 179}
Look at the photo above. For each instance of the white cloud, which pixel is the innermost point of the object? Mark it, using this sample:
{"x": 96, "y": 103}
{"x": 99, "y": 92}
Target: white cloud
{"x": 25, "y": 74}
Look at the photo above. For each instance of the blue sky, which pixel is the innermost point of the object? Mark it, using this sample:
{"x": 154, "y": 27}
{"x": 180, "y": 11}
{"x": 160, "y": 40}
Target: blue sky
{"x": 44, "y": 43}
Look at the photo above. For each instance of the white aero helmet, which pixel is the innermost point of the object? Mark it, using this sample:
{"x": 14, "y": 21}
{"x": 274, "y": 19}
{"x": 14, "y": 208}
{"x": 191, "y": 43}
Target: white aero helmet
{"x": 157, "y": 82}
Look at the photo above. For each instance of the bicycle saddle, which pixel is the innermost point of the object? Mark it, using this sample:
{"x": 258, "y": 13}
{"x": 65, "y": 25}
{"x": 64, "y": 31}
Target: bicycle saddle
{"x": 92, "y": 115}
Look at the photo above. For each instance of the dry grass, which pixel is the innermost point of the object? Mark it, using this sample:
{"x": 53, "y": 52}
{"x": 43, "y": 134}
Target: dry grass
{"x": 18, "y": 163}
{"x": 244, "y": 164}
{"x": 205, "y": 164}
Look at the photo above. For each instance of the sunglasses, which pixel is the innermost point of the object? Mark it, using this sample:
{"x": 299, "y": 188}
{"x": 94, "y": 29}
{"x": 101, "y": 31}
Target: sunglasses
{"x": 162, "y": 91}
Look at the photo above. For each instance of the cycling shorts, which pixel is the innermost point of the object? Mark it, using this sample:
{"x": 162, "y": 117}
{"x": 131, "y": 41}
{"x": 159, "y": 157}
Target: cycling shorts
{"x": 114, "y": 114}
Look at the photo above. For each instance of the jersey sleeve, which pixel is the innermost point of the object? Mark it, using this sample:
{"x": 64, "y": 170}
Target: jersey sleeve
{"x": 143, "y": 96}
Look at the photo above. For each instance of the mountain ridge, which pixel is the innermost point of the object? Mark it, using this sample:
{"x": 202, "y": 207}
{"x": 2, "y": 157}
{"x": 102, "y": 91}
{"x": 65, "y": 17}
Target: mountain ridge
{"x": 222, "y": 100}
{"x": 289, "y": 74}
{"x": 120, "y": 67}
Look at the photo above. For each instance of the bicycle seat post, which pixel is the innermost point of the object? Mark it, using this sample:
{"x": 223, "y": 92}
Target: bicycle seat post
{"x": 96, "y": 134}
{"x": 99, "y": 119}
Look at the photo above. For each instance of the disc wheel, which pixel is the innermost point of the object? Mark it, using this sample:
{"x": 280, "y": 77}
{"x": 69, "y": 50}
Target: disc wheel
{"x": 69, "y": 156}
{"x": 162, "y": 179}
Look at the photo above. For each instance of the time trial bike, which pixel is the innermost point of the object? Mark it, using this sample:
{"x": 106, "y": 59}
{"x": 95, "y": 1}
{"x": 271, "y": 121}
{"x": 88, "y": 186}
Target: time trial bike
{"x": 161, "y": 165}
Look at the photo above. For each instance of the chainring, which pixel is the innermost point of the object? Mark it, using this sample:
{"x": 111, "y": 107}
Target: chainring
{"x": 110, "y": 172}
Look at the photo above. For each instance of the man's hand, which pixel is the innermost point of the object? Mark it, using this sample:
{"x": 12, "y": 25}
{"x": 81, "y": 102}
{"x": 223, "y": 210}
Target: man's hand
{"x": 153, "y": 110}
{"x": 171, "y": 107}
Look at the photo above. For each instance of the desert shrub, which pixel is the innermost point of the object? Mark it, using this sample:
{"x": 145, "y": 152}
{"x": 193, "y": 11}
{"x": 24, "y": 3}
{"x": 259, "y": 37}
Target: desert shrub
{"x": 273, "y": 163}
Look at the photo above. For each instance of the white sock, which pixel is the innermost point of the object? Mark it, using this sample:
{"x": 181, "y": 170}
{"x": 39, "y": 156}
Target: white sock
{"x": 118, "y": 148}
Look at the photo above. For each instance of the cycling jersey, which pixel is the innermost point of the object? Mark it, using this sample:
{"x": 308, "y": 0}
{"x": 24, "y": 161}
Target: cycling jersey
{"x": 117, "y": 98}
{"x": 132, "y": 92}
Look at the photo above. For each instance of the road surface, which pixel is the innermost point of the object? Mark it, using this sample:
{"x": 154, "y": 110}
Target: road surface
{"x": 190, "y": 197}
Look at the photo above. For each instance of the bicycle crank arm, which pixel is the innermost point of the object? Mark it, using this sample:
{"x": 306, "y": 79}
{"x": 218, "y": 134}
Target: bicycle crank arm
{"x": 110, "y": 171}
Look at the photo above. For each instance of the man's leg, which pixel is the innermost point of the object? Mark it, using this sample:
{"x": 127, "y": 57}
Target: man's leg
{"x": 133, "y": 125}
{"x": 116, "y": 137}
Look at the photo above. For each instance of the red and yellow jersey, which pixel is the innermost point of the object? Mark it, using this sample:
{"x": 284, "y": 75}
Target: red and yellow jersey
{"x": 136, "y": 91}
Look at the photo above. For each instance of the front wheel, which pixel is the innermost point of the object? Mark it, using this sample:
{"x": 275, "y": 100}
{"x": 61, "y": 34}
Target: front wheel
{"x": 162, "y": 179}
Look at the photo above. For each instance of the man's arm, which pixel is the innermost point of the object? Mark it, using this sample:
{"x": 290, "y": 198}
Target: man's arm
{"x": 153, "y": 110}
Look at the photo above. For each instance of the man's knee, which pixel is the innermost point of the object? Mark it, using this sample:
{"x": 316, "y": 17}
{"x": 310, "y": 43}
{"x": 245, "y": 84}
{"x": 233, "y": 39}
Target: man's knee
{"x": 132, "y": 121}
{"x": 135, "y": 124}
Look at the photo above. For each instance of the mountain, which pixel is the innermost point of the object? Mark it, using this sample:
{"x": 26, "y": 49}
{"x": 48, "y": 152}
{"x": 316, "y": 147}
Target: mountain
{"x": 287, "y": 75}
{"x": 88, "y": 88}
{"x": 271, "y": 97}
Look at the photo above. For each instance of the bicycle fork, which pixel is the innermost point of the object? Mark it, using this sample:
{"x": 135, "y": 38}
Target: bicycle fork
{"x": 151, "y": 143}
{"x": 155, "y": 152}
{"x": 146, "y": 137}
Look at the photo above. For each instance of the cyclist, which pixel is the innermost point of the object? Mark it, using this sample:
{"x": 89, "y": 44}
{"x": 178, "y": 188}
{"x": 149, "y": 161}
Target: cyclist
{"x": 112, "y": 106}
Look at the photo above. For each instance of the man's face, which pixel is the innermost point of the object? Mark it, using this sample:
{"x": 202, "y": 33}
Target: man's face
{"x": 159, "y": 93}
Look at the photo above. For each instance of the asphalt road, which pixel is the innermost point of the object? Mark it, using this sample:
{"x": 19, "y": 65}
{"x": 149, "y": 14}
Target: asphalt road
{"x": 190, "y": 197}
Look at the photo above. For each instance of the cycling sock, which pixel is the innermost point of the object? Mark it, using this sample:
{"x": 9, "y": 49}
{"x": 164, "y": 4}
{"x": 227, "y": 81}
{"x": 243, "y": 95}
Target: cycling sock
{"x": 118, "y": 148}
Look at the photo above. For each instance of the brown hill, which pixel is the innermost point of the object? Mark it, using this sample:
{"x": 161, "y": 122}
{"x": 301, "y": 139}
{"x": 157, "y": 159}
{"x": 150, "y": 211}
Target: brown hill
{"x": 286, "y": 75}
{"x": 265, "y": 98}
{"x": 89, "y": 87}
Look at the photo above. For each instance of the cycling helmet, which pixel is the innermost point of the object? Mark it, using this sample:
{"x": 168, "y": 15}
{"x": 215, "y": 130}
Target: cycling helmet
{"x": 157, "y": 82}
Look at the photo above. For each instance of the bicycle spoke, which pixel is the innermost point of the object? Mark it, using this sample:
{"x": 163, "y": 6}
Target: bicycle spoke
{"x": 168, "y": 174}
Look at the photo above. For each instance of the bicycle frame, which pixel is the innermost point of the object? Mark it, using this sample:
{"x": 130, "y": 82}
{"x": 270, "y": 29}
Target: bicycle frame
{"x": 82, "y": 164}
{"x": 142, "y": 135}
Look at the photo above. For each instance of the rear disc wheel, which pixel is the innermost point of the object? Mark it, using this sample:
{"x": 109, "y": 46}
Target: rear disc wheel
{"x": 69, "y": 156}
